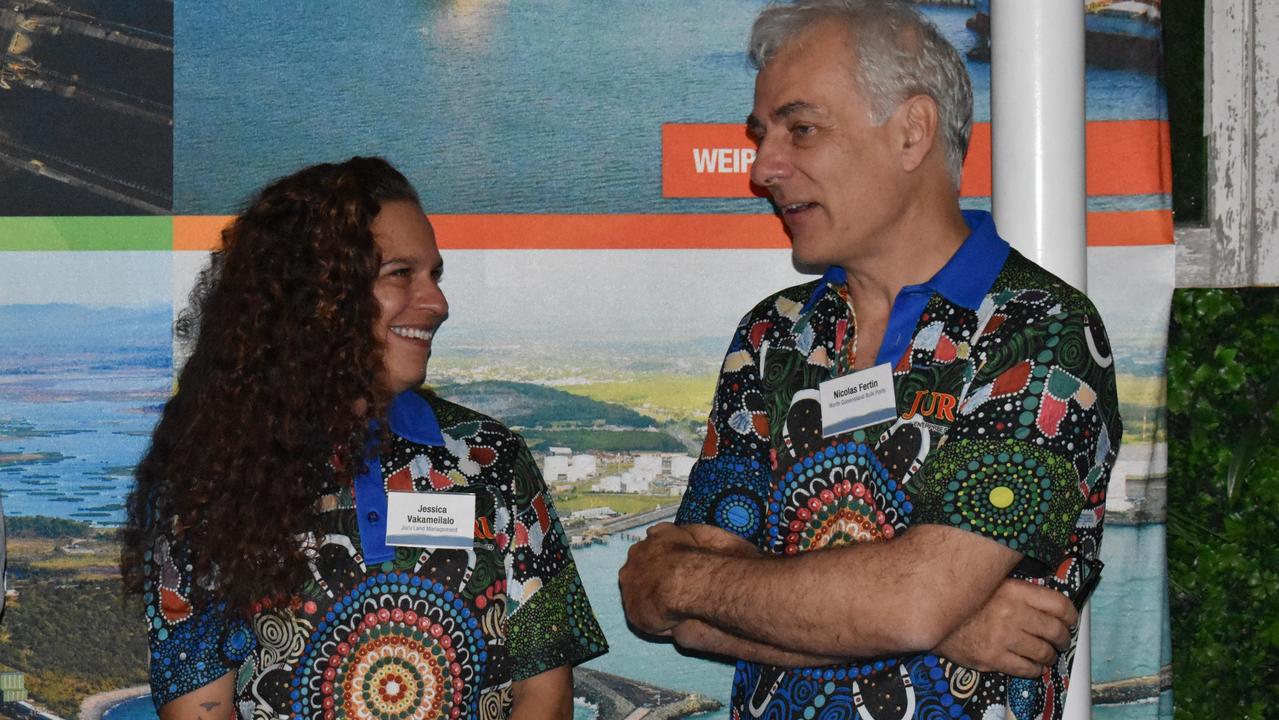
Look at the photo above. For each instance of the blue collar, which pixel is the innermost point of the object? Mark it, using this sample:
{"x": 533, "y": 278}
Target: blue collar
{"x": 411, "y": 418}
{"x": 964, "y": 280}
{"x": 971, "y": 271}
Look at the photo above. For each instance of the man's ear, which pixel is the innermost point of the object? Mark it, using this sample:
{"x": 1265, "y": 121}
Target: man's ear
{"x": 918, "y": 119}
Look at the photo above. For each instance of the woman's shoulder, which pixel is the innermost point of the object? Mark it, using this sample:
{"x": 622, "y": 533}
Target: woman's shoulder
{"x": 460, "y": 421}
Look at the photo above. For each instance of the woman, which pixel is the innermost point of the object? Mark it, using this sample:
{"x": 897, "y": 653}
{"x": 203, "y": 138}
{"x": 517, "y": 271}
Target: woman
{"x": 294, "y": 532}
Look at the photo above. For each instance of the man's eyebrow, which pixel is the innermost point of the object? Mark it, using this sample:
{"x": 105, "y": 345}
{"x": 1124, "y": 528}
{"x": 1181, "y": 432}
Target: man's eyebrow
{"x": 753, "y": 123}
{"x": 793, "y": 107}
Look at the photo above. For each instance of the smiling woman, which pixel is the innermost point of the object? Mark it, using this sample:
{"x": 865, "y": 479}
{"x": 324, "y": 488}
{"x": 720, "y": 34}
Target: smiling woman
{"x": 408, "y": 290}
{"x": 311, "y": 534}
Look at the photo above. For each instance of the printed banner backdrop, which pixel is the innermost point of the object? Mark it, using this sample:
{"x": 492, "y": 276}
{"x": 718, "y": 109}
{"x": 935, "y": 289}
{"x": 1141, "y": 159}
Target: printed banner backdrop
{"x": 586, "y": 171}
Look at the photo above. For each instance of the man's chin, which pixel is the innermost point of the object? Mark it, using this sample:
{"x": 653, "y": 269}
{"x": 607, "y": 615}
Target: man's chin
{"x": 807, "y": 261}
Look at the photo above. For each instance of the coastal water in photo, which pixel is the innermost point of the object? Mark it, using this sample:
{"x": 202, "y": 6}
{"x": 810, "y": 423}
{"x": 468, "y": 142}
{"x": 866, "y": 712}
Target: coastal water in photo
{"x": 80, "y": 390}
{"x": 492, "y": 107}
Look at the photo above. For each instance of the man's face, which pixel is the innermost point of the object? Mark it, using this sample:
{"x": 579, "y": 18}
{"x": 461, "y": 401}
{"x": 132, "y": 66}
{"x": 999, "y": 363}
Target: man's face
{"x": 830, "y": 172}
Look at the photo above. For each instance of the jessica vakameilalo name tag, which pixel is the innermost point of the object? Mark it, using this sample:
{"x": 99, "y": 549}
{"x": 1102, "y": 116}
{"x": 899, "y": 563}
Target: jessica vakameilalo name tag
{"x": 430, "y": 520}
{"x": 855, "y": 401}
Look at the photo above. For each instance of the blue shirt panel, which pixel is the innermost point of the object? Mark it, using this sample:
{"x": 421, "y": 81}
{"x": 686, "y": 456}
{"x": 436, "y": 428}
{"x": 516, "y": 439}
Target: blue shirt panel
{"x": 964, "y": 280}
{"x": 411, "y": 418}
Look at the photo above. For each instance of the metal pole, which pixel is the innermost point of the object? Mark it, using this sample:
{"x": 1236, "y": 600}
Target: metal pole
{"x": 1037, "y": 118}
{"x": 1039, "y": 202}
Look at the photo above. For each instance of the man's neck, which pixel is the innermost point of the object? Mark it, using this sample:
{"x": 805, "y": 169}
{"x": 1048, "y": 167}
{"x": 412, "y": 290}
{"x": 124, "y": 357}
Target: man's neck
{"x": 911, "y": 251}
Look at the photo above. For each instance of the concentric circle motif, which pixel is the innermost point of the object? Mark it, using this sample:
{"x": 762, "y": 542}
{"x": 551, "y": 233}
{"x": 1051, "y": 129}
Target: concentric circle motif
{"x": 737, "y": 512}
{"x": 394, "y": 677}
{"x": 1004, "y": 494}
{"x": 839, "y": 495}
{"x": 393, "y": 649}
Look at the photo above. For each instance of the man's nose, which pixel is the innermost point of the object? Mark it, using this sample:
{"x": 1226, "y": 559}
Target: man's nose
{"x": 771, "y": 164}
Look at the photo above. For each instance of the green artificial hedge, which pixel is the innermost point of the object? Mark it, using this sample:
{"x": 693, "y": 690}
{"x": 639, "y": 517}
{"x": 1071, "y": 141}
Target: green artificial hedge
{"x": 1223, "y": 502}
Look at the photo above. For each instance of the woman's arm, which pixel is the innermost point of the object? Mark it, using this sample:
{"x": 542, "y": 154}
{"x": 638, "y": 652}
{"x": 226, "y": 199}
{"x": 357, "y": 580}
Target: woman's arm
{"x": 208, "y": 702}
{"x": 545, "y": 696}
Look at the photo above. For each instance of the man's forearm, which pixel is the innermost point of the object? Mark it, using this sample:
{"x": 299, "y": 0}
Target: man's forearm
{"x": 853, "y": 601}
{"x": 697, "y": 635}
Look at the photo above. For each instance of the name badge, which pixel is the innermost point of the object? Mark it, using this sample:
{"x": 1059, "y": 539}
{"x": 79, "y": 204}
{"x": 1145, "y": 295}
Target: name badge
{"x": 855, "y": 401}
{"x": 430, "y": 520}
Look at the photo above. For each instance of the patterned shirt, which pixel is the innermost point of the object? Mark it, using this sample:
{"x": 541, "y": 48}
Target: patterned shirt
{"x": 395, "y": 632}
{"x": 1007, "y": 426}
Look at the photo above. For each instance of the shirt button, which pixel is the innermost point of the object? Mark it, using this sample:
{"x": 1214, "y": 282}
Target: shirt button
{"x": 373, "y": 516}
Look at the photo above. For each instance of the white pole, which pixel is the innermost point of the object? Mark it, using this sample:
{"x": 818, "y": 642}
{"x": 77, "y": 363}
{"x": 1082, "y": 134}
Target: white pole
{"x": 1037, "y": 127}
{"x": 1037, "y": 119}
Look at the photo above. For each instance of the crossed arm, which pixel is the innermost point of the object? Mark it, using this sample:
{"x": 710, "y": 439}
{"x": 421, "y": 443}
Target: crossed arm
{"x": 933, "y": 588}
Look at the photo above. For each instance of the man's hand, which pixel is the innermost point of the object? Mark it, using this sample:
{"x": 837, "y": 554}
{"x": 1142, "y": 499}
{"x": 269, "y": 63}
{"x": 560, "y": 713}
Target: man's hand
{"x": 720, "y": 541}
{"x": 648, "y": 578}
{"x": 1019, "y": 631}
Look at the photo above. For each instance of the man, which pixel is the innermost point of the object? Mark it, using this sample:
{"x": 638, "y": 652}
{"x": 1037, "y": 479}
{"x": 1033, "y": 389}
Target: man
{"x": 896, "y": 449}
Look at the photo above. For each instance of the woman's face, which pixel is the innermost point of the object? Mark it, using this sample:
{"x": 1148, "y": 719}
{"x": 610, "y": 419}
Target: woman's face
{"x": 408, "y": 290}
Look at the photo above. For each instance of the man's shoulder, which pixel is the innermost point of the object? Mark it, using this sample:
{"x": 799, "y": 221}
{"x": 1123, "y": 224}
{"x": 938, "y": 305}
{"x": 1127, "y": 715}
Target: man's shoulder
{"x": 786, "y": 305}
{"x": 1022, "y": 279}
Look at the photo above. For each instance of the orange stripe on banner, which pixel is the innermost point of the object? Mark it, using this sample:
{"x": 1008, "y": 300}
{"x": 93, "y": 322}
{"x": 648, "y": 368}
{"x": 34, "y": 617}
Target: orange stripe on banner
{"x": 977, "y": 174}
{"x": 608, "y": 232}
{"x": 1144, "y": 227}
{"x": 1125, "y": 157}
{"x": 198, "y": 232}
{"x": 1129, "y": 157}
{"x": 654, "y": 232}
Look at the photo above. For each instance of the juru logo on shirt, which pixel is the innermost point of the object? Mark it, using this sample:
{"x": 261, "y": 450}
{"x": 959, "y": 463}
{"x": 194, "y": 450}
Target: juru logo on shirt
{"x": 933, "y": 404}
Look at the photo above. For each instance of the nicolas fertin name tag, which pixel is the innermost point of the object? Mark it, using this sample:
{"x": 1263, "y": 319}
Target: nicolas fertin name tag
{"x": 855, "y": 401}
{"x": 430, "y": 520}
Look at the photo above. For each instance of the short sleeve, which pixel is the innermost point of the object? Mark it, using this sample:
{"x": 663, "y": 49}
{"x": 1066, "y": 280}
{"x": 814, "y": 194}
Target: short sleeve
{"x": 1034, "y": 438}
{"x": 552, "y": 623}
{"x": 729, "y": 484}
{"x": 190, "y": 646}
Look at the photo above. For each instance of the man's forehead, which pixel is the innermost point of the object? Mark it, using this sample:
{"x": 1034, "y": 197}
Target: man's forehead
{"x": 814, "y": 62}
{"x": 782, "y": 111}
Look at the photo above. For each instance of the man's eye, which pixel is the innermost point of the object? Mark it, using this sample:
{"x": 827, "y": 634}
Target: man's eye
{"x": 802, "y": 130}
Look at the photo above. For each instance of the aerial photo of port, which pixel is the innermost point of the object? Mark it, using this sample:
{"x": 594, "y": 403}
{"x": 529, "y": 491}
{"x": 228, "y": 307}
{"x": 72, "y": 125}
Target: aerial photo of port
{"x": 604, "y": 360}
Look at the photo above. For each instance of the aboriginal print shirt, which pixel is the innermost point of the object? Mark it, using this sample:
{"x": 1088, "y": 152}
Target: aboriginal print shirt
{"x": 1007, "y": 426}
{"x": 395, "y": 632}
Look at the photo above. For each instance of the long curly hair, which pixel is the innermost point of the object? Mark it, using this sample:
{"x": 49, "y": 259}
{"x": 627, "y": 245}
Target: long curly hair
{"x": 282, "y": 323}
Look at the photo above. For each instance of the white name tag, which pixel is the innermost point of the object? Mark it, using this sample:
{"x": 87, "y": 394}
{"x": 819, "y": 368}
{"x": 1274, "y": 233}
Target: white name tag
{"x": 430, "y": 520}
{"x": 855, "y": 401}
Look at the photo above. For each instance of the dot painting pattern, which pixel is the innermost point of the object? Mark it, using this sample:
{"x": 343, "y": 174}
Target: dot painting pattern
{"x": 428, "y": 634}
{"x": 1008, "y": 427}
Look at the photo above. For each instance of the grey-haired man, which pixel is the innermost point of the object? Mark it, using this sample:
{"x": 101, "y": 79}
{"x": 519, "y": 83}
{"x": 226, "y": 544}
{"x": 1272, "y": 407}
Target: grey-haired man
{"x": 903, "y": 482}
